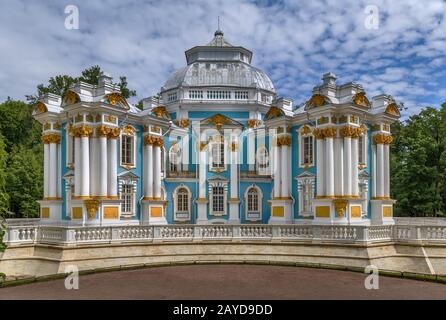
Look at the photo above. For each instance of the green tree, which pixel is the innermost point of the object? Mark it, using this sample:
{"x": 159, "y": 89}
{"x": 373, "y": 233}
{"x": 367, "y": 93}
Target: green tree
{"x": 17, "y": 124}
{"x": 58, "y": 85}
{"x": 418, "y": 161}
{"x": 24, "y": 180}
{"x": 4, "y": 197}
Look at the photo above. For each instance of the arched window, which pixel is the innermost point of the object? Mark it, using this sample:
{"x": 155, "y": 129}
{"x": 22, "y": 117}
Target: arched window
{"x": 182, "y": 203}
{"x": 253, "y": 203}
{"x": 174, "y": 158}
{"x": 262, "y": 160}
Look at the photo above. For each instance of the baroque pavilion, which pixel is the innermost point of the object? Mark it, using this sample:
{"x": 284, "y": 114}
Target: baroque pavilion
{"x": 217, "y": 145}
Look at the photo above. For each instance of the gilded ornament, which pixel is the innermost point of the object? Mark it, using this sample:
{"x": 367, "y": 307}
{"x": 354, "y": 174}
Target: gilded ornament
{"x": 114, "y": 133}
{"x": 71, "y": 98}
{"x": 330, "y": 132}
{"x": 305, "y": 130}
{"x": 129, "y": 130}
{"x": 317, "y": 100}
{"x": 323, "y": 120}
{"x": 183, "y": 123}
{"x": 110, "y": 119}
{"x": 203, "y": 145}
{"x": 40, "y": 107}
{"x": 340, "y": 207}
{"x": 161, "y": 112}
{"x": 102, "y": 131}
{"x": 82, "y": 131}
{"x": 92, "y": 207}
{"x": 51, "y": 138}
{"x": 252, "y": 123}
{"x": 360, "y": 99}
{"x": 274, "y": 112}
{"x": 393, "y": 110}
{"x": 382, "y": 139}
{"x": 219, "y": 121}
{"x": 47, "y": 126}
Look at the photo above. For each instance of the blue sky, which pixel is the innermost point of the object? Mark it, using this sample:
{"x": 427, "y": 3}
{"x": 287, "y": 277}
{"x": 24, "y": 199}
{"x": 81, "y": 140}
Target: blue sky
{"x": 295, "y": 42}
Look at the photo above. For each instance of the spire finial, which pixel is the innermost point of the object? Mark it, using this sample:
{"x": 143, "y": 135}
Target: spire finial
{"x": 218, "y": 32}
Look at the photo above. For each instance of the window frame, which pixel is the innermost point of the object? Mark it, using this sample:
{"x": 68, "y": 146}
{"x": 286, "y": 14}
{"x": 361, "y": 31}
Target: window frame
{"x": 303, "y": 135}
{"x": 222, "y": 165}
{"x": 254, "y": 215}
{"x": 131, "y": 194}
{"x": 182, "y": 215}
{"x": 263, "y": 169}
{"x": 132, "y": 151}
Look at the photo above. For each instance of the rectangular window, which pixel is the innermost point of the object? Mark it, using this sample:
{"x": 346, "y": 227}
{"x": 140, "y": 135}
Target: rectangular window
{"x": 127, "y": 198}
{"x": 196, "y": 94}
{"x": 218, "y": 199}
{"x": 361, "y": 147}
{"x": 127, "y": 150}
{"x": 183, "y": 203}
{"x": 307, "y": 157}
{"x": 241, "y": 95}
{"x": 218, "y": 95}
{"x": 172, "y": 97}
{"x": 218, "y": 155}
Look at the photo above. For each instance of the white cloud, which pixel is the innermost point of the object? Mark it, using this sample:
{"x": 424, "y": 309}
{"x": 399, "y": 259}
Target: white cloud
{"x": 295, "y": 42}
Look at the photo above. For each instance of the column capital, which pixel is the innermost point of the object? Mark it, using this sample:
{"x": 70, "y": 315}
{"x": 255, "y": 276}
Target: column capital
{"x": 114, "y": 133}
{"x": 352, "y": 132}
{"x": 103, "y": 131}
{"x": 382, "y": 138}
{"x": 151, "y": 140}
{"x": 51, "y": 138}
{"x": 82, "y": 131}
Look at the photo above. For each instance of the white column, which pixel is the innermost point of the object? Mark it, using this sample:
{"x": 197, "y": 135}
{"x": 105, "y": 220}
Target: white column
{"x": 329, "y": 165}
{"x": 148, "y": 178}
{"x": 112, "y": 184}
{"x": 355, "y": 186}
{"x": 77, "y": 166}
{"x": 53, "y": 171}
{"x": 202, "y": 174}
{"x": 251, "y": 150}
{"x": 374, "y": 171}
{"x": 380, "y": 170}
{"x": 157, "y": 172}
{"x": 85, "y": 166}
{"x": 94, "y": 168}
{"x": 339, "y": 166}
{"x": 386, "y": 169}
{"x": 103, "y": 171}
{"x": 59, "y": 171}
{"x": 234, "y": 174}
{"x": 185, "y": 153}
{"x": 347, "y": 166}
{"x": 277, "y": 170}
{"x": 320, "y": 176}
{"x": 46, "y": 170}
{"x": 285, "y": 174}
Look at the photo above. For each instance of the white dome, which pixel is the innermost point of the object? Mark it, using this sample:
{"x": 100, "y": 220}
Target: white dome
{"x": 212, "y": 73}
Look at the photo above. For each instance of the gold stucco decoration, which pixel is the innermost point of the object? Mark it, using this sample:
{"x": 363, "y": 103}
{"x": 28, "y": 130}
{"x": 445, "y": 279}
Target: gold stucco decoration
{"x": 274, "y": 112}
{"x": 340, "y": 207}
{"x": 393, "y": 110}
{"x": 82, "y": 131}
{"x": 51, "y": 138}
{"x": 360, "y": 99}
{"x": 71, "y": 98}
{"x": 382, "y": 139}
{"x": 316, "y": 100}
{"x": 92, "y": 207}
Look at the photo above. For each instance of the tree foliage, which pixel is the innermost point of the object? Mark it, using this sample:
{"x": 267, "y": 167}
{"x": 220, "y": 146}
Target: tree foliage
{"x": 60, "y": 84}
{"x": 418, "y": 164}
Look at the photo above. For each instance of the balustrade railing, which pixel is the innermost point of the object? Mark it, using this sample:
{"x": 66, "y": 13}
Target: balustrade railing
{"x": 51, "y": 234}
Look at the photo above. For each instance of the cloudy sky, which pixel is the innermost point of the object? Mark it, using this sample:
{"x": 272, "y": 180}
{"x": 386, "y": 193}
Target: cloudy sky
{"x": 295, "y": 42}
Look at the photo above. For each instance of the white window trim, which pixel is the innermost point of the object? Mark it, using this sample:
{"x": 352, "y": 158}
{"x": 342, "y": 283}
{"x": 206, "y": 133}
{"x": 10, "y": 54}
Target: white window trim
{"x": 225, "y": 157}
{"x": 135, "y": 142}
{"x": 267, "y": 169}
{"x": 365, "y": 140}
{"x": 179, "y": 158}
{"x": 175, "y": 203}
{"x": 300, "y": 183}
{"x": 225, "y": 198}
{"x": 301, "y": 147}
{"x": 134, "y": 183}
{"x": 260, "y": 203}
{"x": 69, "y": 145}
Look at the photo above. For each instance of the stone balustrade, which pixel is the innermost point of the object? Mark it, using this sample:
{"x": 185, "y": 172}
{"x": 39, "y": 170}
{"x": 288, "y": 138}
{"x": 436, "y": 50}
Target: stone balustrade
{"x": 71, "y": 235}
